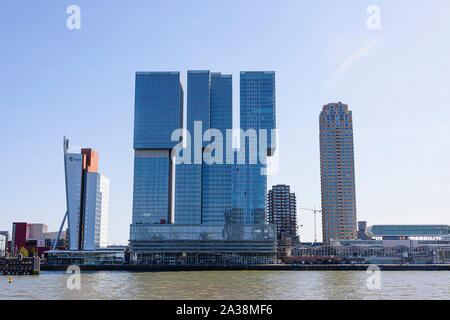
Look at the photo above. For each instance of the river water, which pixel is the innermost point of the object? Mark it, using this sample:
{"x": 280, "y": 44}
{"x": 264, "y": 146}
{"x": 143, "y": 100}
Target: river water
{"x": 222, "y": 285}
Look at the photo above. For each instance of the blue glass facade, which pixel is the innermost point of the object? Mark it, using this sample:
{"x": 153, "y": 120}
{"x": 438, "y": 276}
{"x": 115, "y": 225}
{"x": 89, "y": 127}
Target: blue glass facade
{"x": 204, "y": 244}
{"x": 258, "y": 102}
{"x": 217, "y": 178}
{"x": 211, "y": 202}
{"x": 188, "y": 185}
{"x": 257, "y": 99}
{"x": 203, "y": 191}
{"x": 158, "y": 109}
{"x": 151, "y": 188}
{"x": 158, "y": 112}
{"x": 199, "y": 100}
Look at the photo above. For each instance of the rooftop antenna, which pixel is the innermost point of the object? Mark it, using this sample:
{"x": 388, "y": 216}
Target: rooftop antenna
{"x": 65, "y": 144}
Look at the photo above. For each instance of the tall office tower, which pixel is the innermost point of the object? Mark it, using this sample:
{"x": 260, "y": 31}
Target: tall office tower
{"x": 97, "y": 209}
{"x": 200, "y": 229}
{"x": 203, "y": 191}
{"x": 282, "y": 211}
{"x": 257, "y": 99}
{"x": 87, "y": 195}
{"x": 217, "y": 178}
{"x": 337, "y": 170}
{"x": 158, "y": 112}
{"x": 188, "y": 180}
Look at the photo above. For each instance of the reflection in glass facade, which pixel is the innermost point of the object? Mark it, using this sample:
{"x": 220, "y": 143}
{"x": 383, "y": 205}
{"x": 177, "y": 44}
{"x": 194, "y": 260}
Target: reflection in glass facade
{"x": 151, "y": 186}
{"x": 158, "y": 112}
{"x": 203, "y": 191}
{"x": 188, "y": 180}
{"x": 205, "y": 244}
{"x": 218, "y": 211}
{"x": 205, "y": 232}
{"x": 257, "y": 90}
{"x": 158, "y": 109}
{"x": 217, "y": 179}
{"x": 258, "y": 101}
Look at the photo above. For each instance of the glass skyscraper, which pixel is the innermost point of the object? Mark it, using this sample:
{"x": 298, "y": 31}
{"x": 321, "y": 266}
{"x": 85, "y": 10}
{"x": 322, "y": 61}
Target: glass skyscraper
{"x": 158, "y": 112}
{"x": 190, "y": 212}
{"x": 257, "y": 111}
{"x": 337, "y": 171}
{"x": 188, "y": 180}
{"x": 216, "y": 191}
{"x": 203, "y": 191}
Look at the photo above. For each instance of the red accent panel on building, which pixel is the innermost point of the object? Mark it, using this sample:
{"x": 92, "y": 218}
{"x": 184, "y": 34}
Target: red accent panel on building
{"x": 20, "y": 234}
{"x": 90, "y": 161}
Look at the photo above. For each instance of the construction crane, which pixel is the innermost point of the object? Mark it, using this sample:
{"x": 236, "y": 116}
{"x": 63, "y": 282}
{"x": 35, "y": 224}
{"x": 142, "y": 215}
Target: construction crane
{"x": 315, "y": 211}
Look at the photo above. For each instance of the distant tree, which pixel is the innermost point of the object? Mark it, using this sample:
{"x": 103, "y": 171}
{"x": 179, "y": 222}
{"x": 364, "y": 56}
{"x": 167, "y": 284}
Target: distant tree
{"x": 24, "y": 252}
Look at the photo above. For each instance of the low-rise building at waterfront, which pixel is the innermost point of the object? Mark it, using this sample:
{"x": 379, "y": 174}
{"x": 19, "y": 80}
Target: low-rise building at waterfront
{"x": 3, "y": 242}
{"x": 36, "y": 230}
{"x": 408, "y": 231}
{"x": 31, "y": 236}
{"x": 205, "y": 244}
{"x": 373, "y": 251}
{"x": 91, "y": 257}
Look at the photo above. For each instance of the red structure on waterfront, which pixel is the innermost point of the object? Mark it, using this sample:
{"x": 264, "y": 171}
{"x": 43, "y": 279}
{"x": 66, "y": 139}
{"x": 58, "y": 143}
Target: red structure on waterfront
{"x": 40, "y": 242}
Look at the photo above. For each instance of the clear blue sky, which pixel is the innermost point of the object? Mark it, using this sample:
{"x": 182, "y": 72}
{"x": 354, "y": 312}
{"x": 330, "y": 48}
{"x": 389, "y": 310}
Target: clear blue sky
{"x": 56, "y": 81}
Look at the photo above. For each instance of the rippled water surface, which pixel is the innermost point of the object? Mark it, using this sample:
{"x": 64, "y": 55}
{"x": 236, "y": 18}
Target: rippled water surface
{"x": 230, "y": 285}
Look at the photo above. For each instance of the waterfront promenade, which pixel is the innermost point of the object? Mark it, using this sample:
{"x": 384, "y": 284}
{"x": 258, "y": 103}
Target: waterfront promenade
{"x": 265, "y": 267}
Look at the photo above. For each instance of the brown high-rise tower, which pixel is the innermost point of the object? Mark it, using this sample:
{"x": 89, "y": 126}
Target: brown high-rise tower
{"x": 337, "y": 173}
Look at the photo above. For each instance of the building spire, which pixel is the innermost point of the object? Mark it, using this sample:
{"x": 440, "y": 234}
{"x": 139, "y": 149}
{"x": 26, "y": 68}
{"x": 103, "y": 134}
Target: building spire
{"x": 65, "y": 144}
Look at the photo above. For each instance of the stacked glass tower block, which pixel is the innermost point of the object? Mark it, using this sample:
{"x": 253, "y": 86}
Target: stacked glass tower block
{"x": 195, "y": 212}
{"x": 257, "y": 91}
{"x": 203, "y": 191}
{"x": 158, "y": 112}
